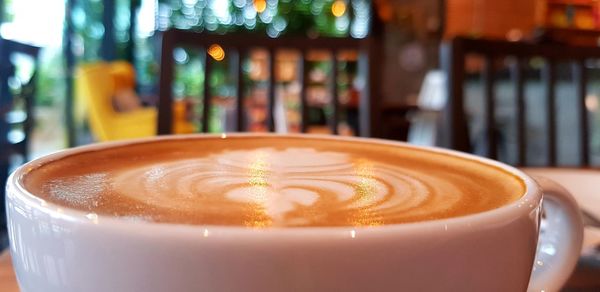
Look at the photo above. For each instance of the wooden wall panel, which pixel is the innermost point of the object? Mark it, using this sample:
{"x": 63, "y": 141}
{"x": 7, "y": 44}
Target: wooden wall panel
{"x": 490, "y": 18}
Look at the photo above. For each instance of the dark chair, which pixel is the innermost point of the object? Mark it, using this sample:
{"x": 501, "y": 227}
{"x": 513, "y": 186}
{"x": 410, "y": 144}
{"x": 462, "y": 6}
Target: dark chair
{"x": 495, "y": 54}
{"x": 16, "y": 116}
{"x": 239, "y": 45}
{"x": 559, "y": 61}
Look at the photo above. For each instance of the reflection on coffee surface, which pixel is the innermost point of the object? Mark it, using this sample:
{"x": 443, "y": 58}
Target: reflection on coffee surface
{"x": 273, "y": 181}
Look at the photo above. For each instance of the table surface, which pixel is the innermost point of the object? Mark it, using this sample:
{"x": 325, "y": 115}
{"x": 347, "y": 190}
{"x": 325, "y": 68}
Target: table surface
{"x": 584, "y": 184}
{"x": 8, "y": 283}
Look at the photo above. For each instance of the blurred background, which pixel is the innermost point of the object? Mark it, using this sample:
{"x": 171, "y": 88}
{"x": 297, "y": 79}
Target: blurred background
{"x": 512, "y": 80}
{"x": 67, "y": 35}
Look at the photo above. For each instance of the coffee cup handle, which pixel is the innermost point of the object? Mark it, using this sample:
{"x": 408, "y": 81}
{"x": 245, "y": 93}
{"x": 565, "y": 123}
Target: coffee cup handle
{"x": 560, "y": 239}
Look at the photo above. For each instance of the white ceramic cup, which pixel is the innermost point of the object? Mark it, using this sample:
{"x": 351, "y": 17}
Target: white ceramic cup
{"x": 59, "y": 249}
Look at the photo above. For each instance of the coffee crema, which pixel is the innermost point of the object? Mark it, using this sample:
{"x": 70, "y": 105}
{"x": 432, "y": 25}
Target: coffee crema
{"x": 272, "y": 181}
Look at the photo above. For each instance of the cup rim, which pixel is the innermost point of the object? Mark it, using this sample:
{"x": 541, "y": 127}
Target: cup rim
{"x": 529, "y": 201}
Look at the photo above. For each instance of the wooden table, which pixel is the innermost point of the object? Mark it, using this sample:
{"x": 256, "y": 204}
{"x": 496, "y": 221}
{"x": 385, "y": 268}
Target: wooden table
{"x": 8, "y": 282}
{"x": 584, "y": 184}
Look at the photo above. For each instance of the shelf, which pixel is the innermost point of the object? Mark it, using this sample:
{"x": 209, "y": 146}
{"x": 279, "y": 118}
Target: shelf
{"x": 579, "y": 3}
{"x": 573, "y": 36}
{"x": 571, "y": 30}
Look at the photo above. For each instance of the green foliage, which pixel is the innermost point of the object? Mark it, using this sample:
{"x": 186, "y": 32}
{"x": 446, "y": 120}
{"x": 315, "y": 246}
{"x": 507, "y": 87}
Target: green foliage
{"x": 89, "y": 30}
{"x": 122, "y": 24}
{"x": 189, "y": 78}
{"x": 284, "y": 17}
{"x": 50, "y": 80}
{"x": 7, "y": 13}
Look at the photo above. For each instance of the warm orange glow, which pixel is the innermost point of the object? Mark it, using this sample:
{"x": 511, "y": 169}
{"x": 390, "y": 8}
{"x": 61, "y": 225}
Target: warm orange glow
{"x": 338, "y": 8}
{"x": 366, "y": 189}
{"x": 216, "y": 52}
{"x": 259, "y": 192}
{"x": 386, "y": 12}
{"x": 260, "y": 5}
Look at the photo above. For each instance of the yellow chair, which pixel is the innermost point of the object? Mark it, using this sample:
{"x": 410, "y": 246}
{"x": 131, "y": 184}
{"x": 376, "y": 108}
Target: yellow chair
{"x": 96, "y": 84}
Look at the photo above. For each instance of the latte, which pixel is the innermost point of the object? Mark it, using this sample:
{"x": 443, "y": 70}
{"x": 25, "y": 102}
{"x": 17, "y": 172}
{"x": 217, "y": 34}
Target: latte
{"x": 272, "y": 181}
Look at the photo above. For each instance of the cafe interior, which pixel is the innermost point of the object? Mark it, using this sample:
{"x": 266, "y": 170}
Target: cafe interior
{"x": 516, "y": 81}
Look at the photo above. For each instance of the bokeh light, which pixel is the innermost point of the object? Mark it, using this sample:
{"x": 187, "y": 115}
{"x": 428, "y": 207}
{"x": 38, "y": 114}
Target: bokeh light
{"x": 338, "y": 8}
{"x": 180, "y": 56}
{"x": 260, "y": 5}
{"x": 216, "y": 52}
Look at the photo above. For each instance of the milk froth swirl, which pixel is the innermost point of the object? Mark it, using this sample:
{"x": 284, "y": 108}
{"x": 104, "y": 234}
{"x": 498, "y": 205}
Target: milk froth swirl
{"x": 277, "y": 183}
{"x": 279, "y": 186}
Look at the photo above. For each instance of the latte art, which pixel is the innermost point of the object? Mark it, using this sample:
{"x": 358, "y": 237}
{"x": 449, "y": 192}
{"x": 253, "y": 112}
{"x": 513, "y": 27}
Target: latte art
{"x": 282, "y": 183}
{"x": 274, "y": 182}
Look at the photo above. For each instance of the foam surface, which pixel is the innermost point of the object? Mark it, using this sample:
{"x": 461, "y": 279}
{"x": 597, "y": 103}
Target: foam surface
{"x": 262, "y": 182}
